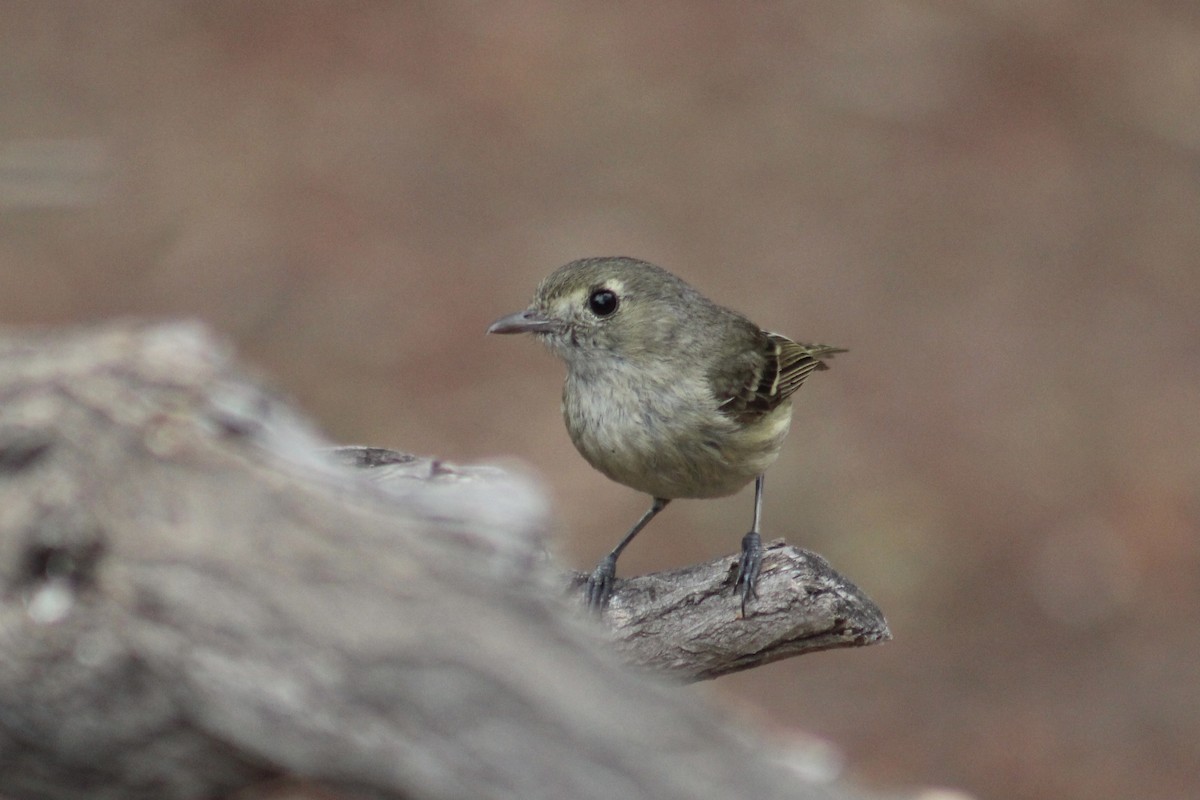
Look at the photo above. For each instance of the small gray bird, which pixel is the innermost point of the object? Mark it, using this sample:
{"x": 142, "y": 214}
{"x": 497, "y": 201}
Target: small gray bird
{"x": 666, "y": 392}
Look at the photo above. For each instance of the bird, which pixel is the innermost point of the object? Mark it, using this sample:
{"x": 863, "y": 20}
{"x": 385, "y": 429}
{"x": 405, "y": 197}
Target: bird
{"x": 666, "y": 392}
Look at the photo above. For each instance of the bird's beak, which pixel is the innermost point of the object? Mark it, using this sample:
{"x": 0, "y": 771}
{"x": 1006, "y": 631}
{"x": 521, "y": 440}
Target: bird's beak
{"x": 527, "y": 321}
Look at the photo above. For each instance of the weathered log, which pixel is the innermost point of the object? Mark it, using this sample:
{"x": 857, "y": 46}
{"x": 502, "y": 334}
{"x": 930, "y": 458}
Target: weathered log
{"x": 685, "y": 623}
{"x": 194, "y": 600}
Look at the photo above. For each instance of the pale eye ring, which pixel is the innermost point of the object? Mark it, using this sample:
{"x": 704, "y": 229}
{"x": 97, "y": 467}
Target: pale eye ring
{"x": 603, "y": 302}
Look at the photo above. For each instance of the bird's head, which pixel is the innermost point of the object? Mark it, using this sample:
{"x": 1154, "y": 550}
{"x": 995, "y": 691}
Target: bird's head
{"x": 613, "y": 306}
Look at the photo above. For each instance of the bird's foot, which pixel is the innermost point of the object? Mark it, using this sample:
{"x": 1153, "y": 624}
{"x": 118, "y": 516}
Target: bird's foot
{"x": 600, "y": 584}
{"x": 749, "y": 566}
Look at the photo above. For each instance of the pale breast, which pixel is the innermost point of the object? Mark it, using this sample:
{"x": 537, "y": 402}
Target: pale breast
{"x": 667, "y": 439}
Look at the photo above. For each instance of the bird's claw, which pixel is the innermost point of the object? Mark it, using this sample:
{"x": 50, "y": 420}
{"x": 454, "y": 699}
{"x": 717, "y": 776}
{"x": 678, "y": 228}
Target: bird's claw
{"x": 600, "y": 584}
{"x": 749, "y": 566}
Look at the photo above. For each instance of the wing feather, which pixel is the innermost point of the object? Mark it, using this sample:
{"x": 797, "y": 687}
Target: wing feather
{"x": 776, "y": 371}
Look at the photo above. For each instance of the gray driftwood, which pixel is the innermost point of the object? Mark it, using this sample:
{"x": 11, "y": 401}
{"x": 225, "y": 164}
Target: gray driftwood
{"x": 195, "y": 600}
{"x": 686, "y": 623}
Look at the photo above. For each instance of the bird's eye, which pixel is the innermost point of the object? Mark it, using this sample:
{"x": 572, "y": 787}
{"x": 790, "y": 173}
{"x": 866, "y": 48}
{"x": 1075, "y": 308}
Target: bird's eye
{"x": 603, "y": 302}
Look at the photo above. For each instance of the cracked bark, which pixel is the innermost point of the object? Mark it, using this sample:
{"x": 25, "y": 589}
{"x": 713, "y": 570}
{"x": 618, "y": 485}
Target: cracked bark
{"x": 195, "y": 599}
{"x": 686, "y": 623}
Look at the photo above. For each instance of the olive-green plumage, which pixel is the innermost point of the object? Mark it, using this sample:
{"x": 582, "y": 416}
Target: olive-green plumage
{"x": 666, "y": 392}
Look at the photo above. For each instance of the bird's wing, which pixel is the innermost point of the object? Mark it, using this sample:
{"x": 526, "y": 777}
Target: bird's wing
{"x": 773, "y": 370}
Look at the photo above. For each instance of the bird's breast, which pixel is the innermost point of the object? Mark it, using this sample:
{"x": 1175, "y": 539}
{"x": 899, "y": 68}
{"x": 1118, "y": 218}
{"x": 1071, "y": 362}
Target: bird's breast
{"x": 667, "y": 437}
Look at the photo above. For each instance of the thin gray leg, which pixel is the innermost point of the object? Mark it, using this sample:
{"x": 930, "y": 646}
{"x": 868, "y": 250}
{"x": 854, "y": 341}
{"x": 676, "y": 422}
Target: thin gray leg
{"x": 600, "y": 582}
{"x": 750, "y": 563}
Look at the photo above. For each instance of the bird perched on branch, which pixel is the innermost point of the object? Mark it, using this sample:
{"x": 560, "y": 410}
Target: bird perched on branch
{"x": 666, "y": 391}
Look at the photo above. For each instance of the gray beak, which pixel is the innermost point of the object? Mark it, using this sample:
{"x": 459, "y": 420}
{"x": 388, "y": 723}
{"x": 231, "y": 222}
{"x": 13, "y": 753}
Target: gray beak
{"x": 527, "y": 321}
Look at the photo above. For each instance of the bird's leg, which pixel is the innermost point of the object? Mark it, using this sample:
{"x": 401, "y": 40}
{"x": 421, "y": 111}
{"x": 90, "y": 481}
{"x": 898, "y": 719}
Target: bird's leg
{"x": 752, "y": 552}
{"x": 600, "y": 582}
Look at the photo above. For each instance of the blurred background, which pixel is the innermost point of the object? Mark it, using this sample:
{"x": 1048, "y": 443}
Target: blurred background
{"x": 994, "y": 205}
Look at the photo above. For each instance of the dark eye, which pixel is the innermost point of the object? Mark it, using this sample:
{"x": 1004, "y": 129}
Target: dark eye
{"x": 603, "y": 302}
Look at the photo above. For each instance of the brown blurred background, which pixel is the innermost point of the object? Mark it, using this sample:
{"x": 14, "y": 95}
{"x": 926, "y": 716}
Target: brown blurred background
{"x": 995, "y": 205}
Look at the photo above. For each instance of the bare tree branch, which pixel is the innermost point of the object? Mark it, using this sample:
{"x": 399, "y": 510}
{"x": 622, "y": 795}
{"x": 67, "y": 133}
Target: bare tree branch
{"x": 686, "y": 623}
{"x": 195, "y": 600}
